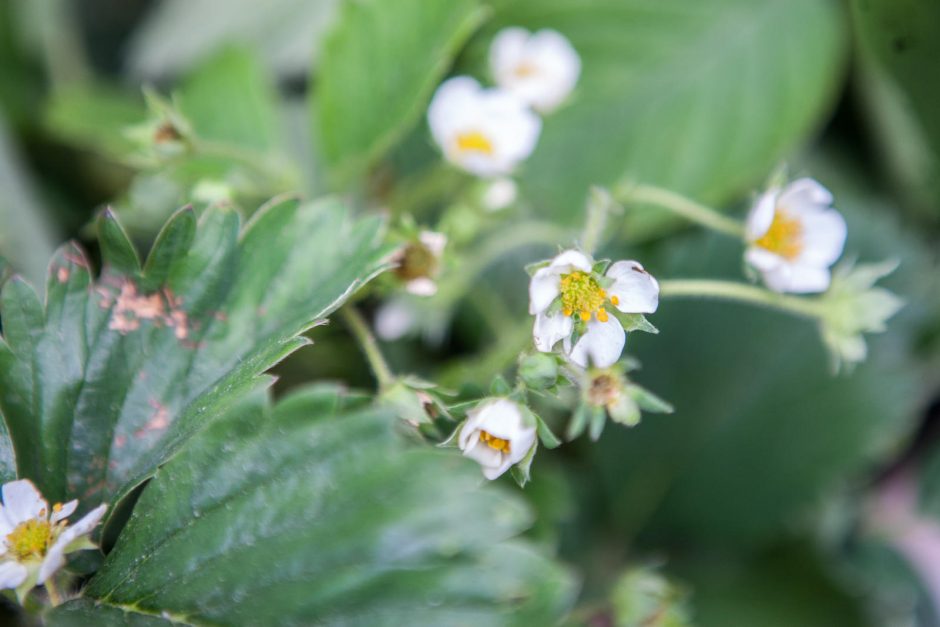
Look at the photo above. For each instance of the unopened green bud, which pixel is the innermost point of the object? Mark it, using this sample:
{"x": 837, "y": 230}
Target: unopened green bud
{"x": 539, "y": 371}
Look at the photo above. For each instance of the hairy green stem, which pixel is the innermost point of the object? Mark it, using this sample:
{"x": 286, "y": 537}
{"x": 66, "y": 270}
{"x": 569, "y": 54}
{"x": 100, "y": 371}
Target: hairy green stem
{"x": 680, "y": 205}
{"x": 370, "y": 347}
{"x": 53, "y": 591}
{"x": 740, "y": 292}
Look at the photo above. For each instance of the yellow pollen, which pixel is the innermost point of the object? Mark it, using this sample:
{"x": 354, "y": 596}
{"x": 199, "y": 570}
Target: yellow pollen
{"x": 614, "y": 300}
{"x": 495, "y": 443}
{"x": 784, "y": 237}
{"x": 30, "y": 539}
{"x": 474, "y": 141}
{"x": 524, "y": 70}
{"x": 602, "y": 315}
{"x": 581, "y": 294}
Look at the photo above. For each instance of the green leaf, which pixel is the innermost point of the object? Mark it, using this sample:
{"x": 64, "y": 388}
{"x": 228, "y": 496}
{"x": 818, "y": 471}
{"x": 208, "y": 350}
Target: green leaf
{"x": 549, "y": 439}
{"x": 379, "y": 66}
{"x": 315, "y": 512}
{"x": 230, "y": 98}
{"x": 94, "y": 116}
{"x": 102, "y": 386}
{"x": 116, "y": 247}
{"x": 83, "y": 612}
{"x": 664, "y": 84}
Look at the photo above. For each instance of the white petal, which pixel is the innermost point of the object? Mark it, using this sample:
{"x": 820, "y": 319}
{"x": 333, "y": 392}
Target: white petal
{"x": 87, "y": 522}
{"x": 575, "y": 259}
{"x": 544, "y": 287}
{"x": 548, "y": 329}
{"x": 65, "y": 511}
{"x": 485, "y": 456}
{"x": 761, "y": 215}
{"x": 394, "y": 320}
{"x": 500, "y": 194}
{"x": 435, "y": 242}
{"x": 422, "y": 286}
{"x": 601, "y": 345}
{"x": 824, "y": 236}
{"x": 521, "y": 445}
{"x": 500, "y": 418}
{"x": 793, "y": 278}
{"x": 762, "y": 259}
{"x": 804, "y": 191}
{"x": 54, "y": 560}
{"x": 506, "y": 50}
{"x": 451, "y": 106}
{"x": 491, "y": 472}
{"x": 12, "y": 574}
{"x": 635, "y": 288}
{"x": 22, "y": 501}
{"x": 551, "y": 64}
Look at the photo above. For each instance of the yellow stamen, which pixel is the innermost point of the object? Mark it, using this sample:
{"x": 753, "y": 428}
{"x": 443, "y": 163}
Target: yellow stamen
{"x": 784, "y": 237}
{"x": 602, "y": 315}
{"x": 614, "y": 300}
{"x": 495, "y": 443}
{"x": 582, "y": 294}
{"x": 585, "y": 315}
{"x": 474, "y": 141}
{"x": 30, "y": 539}
{"x": 524, "y": 70}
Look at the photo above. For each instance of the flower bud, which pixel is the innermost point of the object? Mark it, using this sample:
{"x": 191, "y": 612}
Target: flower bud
{"x": 539, "y": 371}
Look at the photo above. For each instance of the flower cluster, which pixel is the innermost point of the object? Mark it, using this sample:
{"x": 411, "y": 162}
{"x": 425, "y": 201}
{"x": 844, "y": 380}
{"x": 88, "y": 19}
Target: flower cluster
{"x": 489, "y": 131}
{"x": 36, "y": 538}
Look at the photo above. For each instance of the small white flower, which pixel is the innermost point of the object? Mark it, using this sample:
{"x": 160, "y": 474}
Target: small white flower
{"x": 486, "y": 132}
{"x": 36, "y": 539}
{"x": 540, "y": 68}
{"x": 395, "y": 319}
{"x": 497, "y": 435}
{"x": 500, "y": 194}
{"x": 794, "y": 236}
{"x": 568, "y": 289}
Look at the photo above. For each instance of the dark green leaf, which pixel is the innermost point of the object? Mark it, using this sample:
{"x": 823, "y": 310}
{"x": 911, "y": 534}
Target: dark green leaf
{"x": 84, "y": 612}
{"x": 117, "y": 252}
{"x": 376, "y": 74}
{"x": 313, "y": 512}
{"x": 105, "y": 383}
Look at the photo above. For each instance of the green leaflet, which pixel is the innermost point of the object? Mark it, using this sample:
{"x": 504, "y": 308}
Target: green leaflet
{"x": 375, "y": 77}
{"x": 315, "y": 511}
{"x": 101, "y": 384}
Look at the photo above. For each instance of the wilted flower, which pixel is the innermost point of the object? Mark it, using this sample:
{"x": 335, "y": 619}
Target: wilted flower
{"x": 484, "y": 131}
{"x": 608, "y": 392}
{"x": 497, "y": 434}
{"x": 540, "y": 68}
{"x": 567, "y": 295}
{"x": 419, "y": 262}
{"x": 37, "y": 538}
{"x": 794, "y": 236}
{"x": 853, "y": 306}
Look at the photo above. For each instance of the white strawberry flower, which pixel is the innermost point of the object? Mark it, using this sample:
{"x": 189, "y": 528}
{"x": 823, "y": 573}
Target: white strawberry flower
{"x": 567, "y": 294}
{"x": 499, "y": 194}
{"x": 794, "y": 236}
{"x": 487, "y": 132}
{"x": 497, "y": 435}
{"x": 35, "y": 538}
{"x": 541, "y": 69}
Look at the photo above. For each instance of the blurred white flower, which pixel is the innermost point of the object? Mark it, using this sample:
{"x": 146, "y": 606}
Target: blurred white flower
{"x": 486, "y": 132}
{"x": 567, "y": 293}
{"x": 497, "y": 434}
{"x": 500, "y": 194}
{"x": 395, "y": 319}
{"x": 419, "y": 263}
{"x": 794, "y": 236}
{"x": 540, "y": 68}
{"x": 35, "y": 538}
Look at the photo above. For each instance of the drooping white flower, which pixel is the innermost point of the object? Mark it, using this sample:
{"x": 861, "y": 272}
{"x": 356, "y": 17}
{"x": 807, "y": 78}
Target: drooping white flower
{"x": 568, "y": 293}
{"x": 419, "y": 262}
{"x": 35, "y": 538}
{"x": 540, "y": 68}
{"x": 497, "y": 434}
{"x": 486, "y": 132}
{"x": 794, "y": 236}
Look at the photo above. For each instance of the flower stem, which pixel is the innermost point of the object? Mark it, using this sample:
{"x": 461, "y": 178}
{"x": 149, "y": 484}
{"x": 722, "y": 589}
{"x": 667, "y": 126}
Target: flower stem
{"x": 370, "y": 347}
{"x": 53, "y": 591}
{"x": 680, "y": 205}
{"x": 730, "y": 290}
{"x": 599, "y": 206}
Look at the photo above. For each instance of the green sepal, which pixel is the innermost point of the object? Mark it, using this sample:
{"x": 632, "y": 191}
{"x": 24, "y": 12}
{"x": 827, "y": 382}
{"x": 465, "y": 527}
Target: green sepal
{"x": 451, "y": 441}
{"x": 548, "y": 438}
{"x": 600, "y": 267}
{"x": 636, "y": 322}
{"x": 625, "y": 411}
{"x": 405, "y": 404}
{"x": 578, "y": 422}
{"x": 522, "y": 472}
{"x": 532, "y": 268}
{"x": 598, "y": 418}
{"x": 648, "y": 401}
{"x": 499, "y": 386}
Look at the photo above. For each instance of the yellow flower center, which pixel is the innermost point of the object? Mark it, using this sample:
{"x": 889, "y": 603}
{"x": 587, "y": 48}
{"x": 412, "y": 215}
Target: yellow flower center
{"x": 524, "y": 70}
{"x": 784, "y": 237}
{"x": 581, "y": 294}
{"x": 495, "y": 443}
{"x": 474, "y": 141}
{"x": 30, "y": 539}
